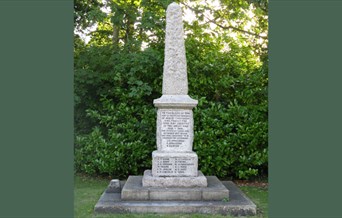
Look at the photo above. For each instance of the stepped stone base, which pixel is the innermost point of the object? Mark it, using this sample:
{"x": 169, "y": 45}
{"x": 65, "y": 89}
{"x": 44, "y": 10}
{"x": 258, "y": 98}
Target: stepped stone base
{"x": 133, "y": 190}
{"x": 168, "y": 182}
{"x": 237, "y": 205}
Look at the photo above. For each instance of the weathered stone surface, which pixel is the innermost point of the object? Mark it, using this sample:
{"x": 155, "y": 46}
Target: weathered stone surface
{"x": 133, "y": 190}
{"x": 216, "y": 190}
{"x": 179, "y": 164}
{"x": 175, "y": 101}
{"x": 175, "y": 80}
{"x": 175, "y": 130}
{"x": 114, "y": 186}
{"x": 237, "y": 205}
{"x": 168, "y": 182}
{"x": 175, "y": 125}
{"x": 176, "y": 194}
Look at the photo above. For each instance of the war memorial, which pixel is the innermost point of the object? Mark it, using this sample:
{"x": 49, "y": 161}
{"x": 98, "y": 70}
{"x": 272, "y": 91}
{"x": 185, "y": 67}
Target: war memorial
{"x": 174, "y": 184}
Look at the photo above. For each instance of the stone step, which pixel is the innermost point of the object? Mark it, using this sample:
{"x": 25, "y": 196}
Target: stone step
{"x": 133, "y": 190}
{"x": 237, "y": 205}
{"x": 172, "y": 182}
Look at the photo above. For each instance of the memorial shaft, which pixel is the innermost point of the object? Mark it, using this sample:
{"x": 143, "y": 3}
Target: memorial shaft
{"x": 175, "y": 81}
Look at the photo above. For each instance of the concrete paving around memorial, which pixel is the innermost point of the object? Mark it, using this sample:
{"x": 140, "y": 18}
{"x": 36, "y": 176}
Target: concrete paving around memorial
{"x": 238, "y": 204}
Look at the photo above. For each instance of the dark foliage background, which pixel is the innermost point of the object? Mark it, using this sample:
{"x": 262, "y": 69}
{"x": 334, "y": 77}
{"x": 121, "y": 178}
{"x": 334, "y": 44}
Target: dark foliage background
{"x": 118, "y": 73}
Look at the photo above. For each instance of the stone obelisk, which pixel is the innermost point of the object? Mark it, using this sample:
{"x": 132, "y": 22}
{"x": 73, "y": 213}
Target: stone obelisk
{"x": 174, "y": 185}
{"x": 174, "y": 164}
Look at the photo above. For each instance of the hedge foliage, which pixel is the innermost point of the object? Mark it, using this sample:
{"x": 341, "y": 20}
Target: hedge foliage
{"x": 115, "y": 120}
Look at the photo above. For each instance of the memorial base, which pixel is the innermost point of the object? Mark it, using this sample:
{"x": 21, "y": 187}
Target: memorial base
{"x": 134, "y": 190}
{"x": 169, "y": 182}
{"x": 237, "y": 204}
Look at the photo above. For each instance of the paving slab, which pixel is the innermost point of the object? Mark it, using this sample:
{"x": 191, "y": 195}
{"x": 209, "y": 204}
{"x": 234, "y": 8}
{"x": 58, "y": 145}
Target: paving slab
{"x": 237, "y": 205}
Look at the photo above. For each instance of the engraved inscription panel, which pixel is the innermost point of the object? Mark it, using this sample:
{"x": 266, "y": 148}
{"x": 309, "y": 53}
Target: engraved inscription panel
{"x": 176, "y": 130}
{"x": 175, "y": 166}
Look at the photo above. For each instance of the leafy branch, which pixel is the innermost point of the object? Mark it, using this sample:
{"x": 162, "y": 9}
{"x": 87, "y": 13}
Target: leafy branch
{"x": 222, "y": 26}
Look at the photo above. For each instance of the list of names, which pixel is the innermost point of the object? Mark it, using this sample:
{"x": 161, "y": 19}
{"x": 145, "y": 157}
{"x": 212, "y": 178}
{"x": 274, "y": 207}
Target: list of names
{"x": 174, "y": 165}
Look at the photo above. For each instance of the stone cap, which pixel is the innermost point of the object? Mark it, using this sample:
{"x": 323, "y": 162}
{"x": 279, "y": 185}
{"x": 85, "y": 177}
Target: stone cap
{"x": 175, "y": 101}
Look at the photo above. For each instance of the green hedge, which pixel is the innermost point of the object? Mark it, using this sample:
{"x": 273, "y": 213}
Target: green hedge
{"x": 115, "y": 120}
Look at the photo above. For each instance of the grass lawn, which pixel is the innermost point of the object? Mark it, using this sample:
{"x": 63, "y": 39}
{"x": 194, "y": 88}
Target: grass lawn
{"x": 87, "y": 192}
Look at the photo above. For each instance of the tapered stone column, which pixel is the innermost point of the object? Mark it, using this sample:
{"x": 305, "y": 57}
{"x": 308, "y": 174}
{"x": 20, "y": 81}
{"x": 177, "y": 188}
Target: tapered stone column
{"x": 174, "y": 164}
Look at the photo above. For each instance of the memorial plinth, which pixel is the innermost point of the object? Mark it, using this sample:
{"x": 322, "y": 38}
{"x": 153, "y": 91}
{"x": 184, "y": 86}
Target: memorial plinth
{"x": 174, "y": 157}
{"x": 174, "y": 185}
